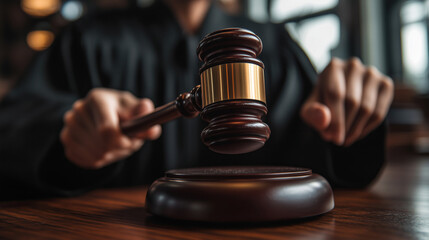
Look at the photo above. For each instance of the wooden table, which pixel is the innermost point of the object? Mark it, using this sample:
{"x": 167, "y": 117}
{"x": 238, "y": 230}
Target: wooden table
{"x": 395, "y": 207}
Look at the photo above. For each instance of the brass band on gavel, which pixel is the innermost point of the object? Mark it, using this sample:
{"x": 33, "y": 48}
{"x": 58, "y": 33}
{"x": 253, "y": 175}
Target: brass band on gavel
{"x": 232, "y": 81}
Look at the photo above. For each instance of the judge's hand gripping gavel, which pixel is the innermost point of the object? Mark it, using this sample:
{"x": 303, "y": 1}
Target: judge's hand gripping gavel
{"x": 231, "y": 97}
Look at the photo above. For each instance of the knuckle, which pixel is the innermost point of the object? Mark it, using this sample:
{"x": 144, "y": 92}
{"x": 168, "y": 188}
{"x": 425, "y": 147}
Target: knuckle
{"x": 123, "y": 144}
{"x": 156, "y": 132}
{"x": 105, "y": 131}
{"x": 372, "y": 72}
{"x": 68, "y": 116}
{"x": 352, "y": 102}
{"x": 148, "y": 103}
{"x": 126, "y": 98}
{"x": 78, "y": 114}
{"x": 64, "y": 136}
{"x": 387, "y": 83}
{"x": 335, "y": 94}
{"x": 127, "y": 95}
{"x": 95, "y": 94}
{"x": 92, "y": 97}
{"x": 366, "y": 110}
{"x": 70, "y": 120}
{"x": 336, "y": 62}
{"x": 79, "y": 106}
{"x": 355, "y": 62}
{"x": 377, "y": 117}
{"x": 136, "y": 146}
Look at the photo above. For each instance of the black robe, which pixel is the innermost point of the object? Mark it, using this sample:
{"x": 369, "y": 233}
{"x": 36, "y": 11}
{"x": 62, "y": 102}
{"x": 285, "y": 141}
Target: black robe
{"x": 145, "y": 51}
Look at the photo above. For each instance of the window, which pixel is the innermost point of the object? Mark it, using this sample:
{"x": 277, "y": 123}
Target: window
{"x": 318, "y": 37}
{"x": 414, "y": 41}
{"x": 314, "y": 24}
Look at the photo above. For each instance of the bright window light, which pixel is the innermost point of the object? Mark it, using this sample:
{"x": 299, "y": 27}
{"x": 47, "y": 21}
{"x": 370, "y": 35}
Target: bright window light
{"x": 415, "y": 54}
{"x": 284, "y": 9}
{"x": 317, "y": 36}
{"x": 413, "y": 11}
{"x": 414, "y": 44}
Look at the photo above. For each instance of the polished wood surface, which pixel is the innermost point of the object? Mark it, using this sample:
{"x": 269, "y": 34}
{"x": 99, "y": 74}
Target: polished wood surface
{"x": 395, "y": 207}
{"x": 233, "y": 194}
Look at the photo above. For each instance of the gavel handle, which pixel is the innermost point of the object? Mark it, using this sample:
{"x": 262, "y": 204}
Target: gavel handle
{"x": 186, "y": 105}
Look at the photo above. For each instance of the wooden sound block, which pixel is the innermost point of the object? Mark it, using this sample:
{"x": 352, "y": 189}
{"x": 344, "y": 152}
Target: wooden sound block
{"x": 239, "y": 194}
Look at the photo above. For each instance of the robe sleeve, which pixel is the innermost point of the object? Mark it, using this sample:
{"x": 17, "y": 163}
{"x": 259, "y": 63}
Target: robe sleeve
{"x": 32, "y": 160}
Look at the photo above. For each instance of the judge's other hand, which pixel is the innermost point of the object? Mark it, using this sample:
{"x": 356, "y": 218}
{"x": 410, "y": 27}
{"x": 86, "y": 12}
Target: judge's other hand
{"x": 91, "y": 135}
{"x": 348, "y": 102}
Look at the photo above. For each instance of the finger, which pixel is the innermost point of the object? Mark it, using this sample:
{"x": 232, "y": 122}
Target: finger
{"x": 314, "y": 113}
{"x": 82, "y": 154}
{"x": 76, "y": 152}
{"x": 354, "y": 78}
{"x": 152, "y": 133}
{"x": 77, "y": 159}
{"x": 385, "y": 97}
{"x": 86, "y": 139}
{"x": 333, "y": 97}
{"x": 104, "y": 108}
{"x": 120, "y": 153}
{"x": 144, "y": 107}
{"x": 81, "y": 115}
{"x": 129, "y": 105}
{"x": 81, "y": 130}
{"x": 137, "y": 144}
{"x": 112, "y": 157}
{"x": 115, "y": 140}
{"x": 368, "y": 104}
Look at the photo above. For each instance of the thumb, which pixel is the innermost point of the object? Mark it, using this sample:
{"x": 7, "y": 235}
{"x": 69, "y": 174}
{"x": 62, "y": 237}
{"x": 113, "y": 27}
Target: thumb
{"x": 132, "y": 107}
{"x": 142, "y": 107}
{"x": 316, "y": 114}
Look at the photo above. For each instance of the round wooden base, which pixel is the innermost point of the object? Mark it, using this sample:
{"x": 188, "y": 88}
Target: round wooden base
{"x": 239, "y": 194}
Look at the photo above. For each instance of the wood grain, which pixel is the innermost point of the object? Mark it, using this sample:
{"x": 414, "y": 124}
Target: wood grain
{"x": 395, "y": 207}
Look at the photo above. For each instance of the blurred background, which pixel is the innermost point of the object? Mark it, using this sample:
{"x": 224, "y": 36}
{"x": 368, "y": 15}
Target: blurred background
{"x": 389, "y": 34}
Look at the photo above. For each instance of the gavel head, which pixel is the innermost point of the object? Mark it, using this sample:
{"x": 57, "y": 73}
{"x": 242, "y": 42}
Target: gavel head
{"x": 233, "y": 91}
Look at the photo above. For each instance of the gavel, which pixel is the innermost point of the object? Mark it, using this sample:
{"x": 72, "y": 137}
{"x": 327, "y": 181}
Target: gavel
{"x": 231, "y": 96}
